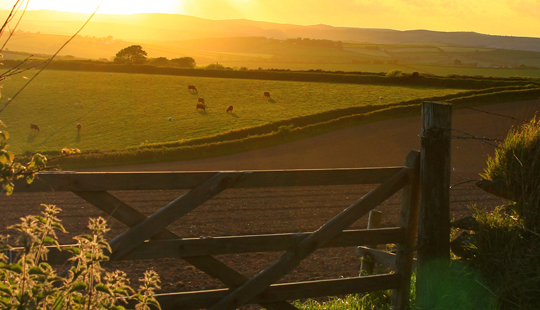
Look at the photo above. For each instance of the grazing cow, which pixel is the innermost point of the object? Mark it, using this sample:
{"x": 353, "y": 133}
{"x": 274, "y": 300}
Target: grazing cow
{"x": 229, "y": 109}
{"x": 192, "y": 88}
{"x": 34, "y": 127}
{"x": 201, "y": 100}
{"x": 200, "y": 106}
{"x": 79, "y": 127}
{"x": 266, "y": 94}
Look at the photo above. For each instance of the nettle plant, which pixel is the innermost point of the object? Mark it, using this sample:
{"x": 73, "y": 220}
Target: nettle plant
{"x": 29, "y": 282}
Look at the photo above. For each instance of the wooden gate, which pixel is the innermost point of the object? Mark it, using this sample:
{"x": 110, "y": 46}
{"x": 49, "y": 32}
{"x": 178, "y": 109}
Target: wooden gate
{"x": 148, "y": 237}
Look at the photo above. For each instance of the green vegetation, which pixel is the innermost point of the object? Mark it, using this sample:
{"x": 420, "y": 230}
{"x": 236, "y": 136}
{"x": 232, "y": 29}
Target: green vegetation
{"x": 281, "y": 132}
{"x": 29, "y": 282}
{"x": 516, "y": 165}
{"x": 379, "y": 300}
{"x": 505, "y": 246}
{"x": 127, "y": 110}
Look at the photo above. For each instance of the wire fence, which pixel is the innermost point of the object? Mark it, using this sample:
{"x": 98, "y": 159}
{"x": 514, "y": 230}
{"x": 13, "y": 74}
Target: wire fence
{"x": 495, "y": 142}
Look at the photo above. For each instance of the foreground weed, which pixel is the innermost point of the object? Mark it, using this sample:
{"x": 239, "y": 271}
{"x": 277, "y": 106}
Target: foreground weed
{"x": 31, "y": 283}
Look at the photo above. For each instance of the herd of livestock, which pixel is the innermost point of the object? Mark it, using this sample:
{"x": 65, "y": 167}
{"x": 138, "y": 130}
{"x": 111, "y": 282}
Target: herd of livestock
{"x": 191, "y": 88}
{"x": 202, "y": 105}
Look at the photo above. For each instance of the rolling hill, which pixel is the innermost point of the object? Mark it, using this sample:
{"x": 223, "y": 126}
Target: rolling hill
{"x": 174, "y": 27}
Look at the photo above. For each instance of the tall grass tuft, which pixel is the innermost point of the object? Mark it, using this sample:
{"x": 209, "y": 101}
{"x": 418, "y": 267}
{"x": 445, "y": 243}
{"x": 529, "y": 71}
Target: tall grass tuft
{"x": 507, "y": 243}
{"x": 508, "y": 257}
{"x": 378, "y": 300}
{"x": 517, "y": 165}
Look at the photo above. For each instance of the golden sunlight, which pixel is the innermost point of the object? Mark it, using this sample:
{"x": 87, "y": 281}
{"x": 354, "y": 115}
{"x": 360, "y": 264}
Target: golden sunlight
{"x": 109, "y": 6}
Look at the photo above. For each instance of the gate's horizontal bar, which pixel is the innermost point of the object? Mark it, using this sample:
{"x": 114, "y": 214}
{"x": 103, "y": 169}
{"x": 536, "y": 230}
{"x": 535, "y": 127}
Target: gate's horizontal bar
{"x": 381, "y": 257}
{"x": 287, "y": 291}
{"x": 244, "y": 244}
{"x": 100, "y": 181}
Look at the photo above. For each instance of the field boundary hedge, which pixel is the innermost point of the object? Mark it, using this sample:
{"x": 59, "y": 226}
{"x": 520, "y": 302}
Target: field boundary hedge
{"x": 247, "y": 139}
{"x": 454, "y": 81}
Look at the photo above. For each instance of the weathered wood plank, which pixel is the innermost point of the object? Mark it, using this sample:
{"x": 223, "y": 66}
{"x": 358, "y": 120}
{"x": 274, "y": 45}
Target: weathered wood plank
{"x": 286, "y": 291}
{"x": 381, "y": 257}
{"x": 145, "y": 229}
{"x": 121, "y": 211}
{"x": 101, "y": 181}
{"x": 131, "y": 217}
{"x": 434, "y": 217}
{"x": 257, "y": 243}
{"x": 405, "y": 261}
{"x": 196, "y": 247}
{"x": 374, "y": 221}
{"x": 292, "y": 258}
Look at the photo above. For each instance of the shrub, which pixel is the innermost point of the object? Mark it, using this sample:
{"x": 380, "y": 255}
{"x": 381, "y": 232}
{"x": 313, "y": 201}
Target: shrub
{"x": 506, "y": 244}
{"x": 508, "y": 257}
{"x": 516, "y": 164}
{"x": 394, "y": 73}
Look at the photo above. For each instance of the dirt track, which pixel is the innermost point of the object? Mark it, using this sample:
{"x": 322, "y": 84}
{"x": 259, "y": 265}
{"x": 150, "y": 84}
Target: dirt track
{"x": 384, "y": 143}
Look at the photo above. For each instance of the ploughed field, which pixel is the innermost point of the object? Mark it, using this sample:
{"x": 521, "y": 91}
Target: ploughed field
{"x": 282, "y": 210}
{"x": 121, "y": 110}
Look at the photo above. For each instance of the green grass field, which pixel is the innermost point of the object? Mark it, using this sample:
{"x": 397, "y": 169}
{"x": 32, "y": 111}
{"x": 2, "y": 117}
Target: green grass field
{"x": 124, "y": 110}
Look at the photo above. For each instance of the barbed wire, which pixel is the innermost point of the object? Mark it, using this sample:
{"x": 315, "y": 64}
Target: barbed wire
{"x": 468, "y": 136}
{"x": 491, "y": 113}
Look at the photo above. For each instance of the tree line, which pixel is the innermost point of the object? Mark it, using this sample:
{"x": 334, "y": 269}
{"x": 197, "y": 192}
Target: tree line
{"x": 135, "y": 55}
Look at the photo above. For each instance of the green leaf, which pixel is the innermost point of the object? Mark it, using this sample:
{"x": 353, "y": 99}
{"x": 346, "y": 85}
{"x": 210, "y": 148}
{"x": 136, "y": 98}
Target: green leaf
{"x": 4, "y": 134}
{"x": 45, "y": 266}
{"x": 49, "y": 241}
{"x": 138, "y": 297}
{"x": 72, "y": 249}
{"x": 58, "y": 303}
{"x": 87, "y": 237}
{"x": 78, "y": 286}
{"x": 100, "y": 287}
{"x": 117, "y": 308}
{"x": 58, "y": 225}
{"x": 16, "y": 268}
{"x": 4, "y": 157}
{"x": 8, "y": 187}
{"x": 35, "y": 270}
{"x": 11, "y": 156}
{"x": 5, "y": 289}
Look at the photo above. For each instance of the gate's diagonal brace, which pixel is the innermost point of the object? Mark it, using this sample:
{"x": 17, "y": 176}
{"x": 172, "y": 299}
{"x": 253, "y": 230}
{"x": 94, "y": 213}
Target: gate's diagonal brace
{"x": 121, "y": 211}
{"x": 208, "y": 264}
{"x": 171, "y": 212}
{"x": 292, "y": 258}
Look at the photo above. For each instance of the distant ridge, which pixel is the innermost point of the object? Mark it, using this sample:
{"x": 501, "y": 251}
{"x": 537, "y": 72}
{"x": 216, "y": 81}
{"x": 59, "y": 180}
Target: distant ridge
{"x": 171, "y": 27}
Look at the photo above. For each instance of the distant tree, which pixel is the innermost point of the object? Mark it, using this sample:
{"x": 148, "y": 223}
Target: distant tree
{"x": 133, "y": 54}
{"x": 215, "y": 66}
{"x": 184, "y": 62}
{"x": 457, "y": 62}
{"x": 160, "y": 61}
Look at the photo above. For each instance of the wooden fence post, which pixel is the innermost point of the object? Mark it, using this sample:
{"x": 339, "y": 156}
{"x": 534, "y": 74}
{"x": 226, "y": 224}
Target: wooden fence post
{"x": 434, "y": 217}
{"x": 367, "y": 265}
{"x": 409, "y": 220}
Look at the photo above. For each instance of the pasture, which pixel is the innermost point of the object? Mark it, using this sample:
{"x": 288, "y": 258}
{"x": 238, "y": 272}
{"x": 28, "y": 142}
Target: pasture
{"x": 125, "y": 110}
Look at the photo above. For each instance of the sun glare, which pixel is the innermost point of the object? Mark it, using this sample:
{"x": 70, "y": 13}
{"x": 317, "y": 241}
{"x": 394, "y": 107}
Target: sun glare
{"x": 109, "y": 6}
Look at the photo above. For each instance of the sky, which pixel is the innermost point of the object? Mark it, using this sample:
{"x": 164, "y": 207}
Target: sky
{"x": 497, "y": 17}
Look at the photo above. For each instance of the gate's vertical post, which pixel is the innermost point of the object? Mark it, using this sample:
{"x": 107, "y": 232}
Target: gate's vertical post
{"x": 434, "y": 217}
{"x": 409, "y": 220}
